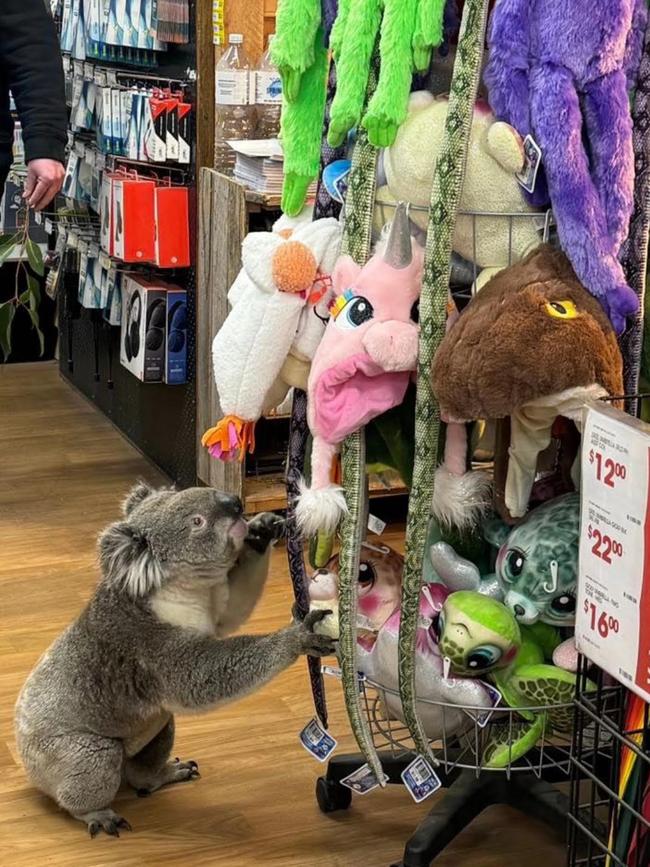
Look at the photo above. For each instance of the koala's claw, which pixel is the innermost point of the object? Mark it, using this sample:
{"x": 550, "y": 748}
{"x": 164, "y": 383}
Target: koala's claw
{"x": 319, "y": 645}
{"x": 312, "y": 643}
{"x": 107, "y": 821}
{"x": 173, "y": 772}
{"x": 314, "y": 617}
{"x": 263, "y": 530}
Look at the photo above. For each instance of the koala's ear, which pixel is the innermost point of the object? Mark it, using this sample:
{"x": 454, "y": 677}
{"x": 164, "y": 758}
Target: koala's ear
{"x": 138, "y": 493}
{"x": 127, "y": 560}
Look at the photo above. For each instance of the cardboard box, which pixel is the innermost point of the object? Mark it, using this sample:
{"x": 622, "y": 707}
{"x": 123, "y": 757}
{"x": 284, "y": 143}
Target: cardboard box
{"x": 133, "y": 219}
{"x": 176, "y": 337}
{"x": 142, "y": 338}
{"x": 172, "y": 227}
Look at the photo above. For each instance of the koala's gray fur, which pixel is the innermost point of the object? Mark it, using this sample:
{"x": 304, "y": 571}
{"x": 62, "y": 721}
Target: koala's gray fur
{"x": 179, "y": 573}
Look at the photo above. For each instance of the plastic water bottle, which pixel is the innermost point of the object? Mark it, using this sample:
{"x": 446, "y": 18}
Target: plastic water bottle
{"x": 233, "y": 113}
{"x": 268, "y": 96}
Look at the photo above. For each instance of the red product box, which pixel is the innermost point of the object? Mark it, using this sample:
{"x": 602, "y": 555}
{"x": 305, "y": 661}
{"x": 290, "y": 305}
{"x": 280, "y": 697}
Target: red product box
{"x": 172, "y": 227}
{"x": 133, "y": 219}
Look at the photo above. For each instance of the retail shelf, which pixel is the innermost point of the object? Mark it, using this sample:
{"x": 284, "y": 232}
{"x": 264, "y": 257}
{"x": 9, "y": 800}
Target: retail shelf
{"x": 267, "y": 493}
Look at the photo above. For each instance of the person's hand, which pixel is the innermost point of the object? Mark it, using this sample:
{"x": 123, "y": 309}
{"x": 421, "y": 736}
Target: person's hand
{"x": 44, "y": 180}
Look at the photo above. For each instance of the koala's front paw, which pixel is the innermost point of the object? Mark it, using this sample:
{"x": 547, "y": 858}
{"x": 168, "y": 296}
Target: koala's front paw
{"x": 263, "y": 530}
{"x": 310, "y": 642}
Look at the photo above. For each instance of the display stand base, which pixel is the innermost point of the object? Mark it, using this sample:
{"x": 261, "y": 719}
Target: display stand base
{"x": 467, "y": 794}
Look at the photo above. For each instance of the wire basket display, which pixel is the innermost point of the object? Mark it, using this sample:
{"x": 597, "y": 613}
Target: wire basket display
{"x": 495, "y": 240}
{"x": 609, "y": 817}
{"x": 468, "y": 734}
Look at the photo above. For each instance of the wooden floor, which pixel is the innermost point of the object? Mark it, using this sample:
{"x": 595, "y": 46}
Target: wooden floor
{"x": 63, "y": 470}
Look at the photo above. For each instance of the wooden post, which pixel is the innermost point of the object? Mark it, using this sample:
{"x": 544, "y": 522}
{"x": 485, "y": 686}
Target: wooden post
{"x": 223, "y": 223}
{"x": 204, "y": 116}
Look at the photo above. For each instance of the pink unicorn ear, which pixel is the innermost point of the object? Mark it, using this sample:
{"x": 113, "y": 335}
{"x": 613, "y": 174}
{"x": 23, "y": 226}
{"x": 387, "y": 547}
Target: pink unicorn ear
{"x": 345, "y": 273}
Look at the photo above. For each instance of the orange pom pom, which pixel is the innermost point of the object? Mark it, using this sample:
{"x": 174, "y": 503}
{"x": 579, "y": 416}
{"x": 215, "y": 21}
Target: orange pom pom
{"x": 294, "y": 267}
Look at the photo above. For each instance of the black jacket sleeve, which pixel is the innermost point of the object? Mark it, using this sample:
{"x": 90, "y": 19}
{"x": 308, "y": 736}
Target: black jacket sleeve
{"x": 30, "y": 59}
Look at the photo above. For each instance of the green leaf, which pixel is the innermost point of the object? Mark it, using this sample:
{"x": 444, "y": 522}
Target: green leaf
{"x": 30, "y": 299}
{"x": 34, "y": 288}
{"x": 33, "y": 315}
{"x": 34, "y": 257}
{"x": 7, "y": 244}
{"x": 7, "y": 313}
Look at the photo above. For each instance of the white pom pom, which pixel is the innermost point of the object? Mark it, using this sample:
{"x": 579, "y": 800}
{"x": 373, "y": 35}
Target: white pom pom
{"x": 320, "y": 509}
{"x": 460, "y": 501}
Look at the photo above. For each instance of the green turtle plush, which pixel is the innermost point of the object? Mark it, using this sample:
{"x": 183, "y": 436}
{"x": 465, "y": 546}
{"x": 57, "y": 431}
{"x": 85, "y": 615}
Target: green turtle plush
{"x": 476, "y": 634}
{"x": 479, "y": 636}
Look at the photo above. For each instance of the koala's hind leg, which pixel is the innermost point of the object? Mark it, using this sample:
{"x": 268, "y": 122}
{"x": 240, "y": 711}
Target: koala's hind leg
{"x": 150, "y": 769}
{"x": 83, "y": 774}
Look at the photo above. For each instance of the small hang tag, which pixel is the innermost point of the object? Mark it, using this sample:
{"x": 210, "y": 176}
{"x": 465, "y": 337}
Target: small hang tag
{"x": 376, "y": 525}
{"x": 483, "y": 717}
{"x": 420, "y": 779}
{"x": 317, "y": 741}
{"x": 331, "y": 671}
{"x": 362, "y": 780}
{"x": 527, "y": 177}
{"x": 446, "y": 667}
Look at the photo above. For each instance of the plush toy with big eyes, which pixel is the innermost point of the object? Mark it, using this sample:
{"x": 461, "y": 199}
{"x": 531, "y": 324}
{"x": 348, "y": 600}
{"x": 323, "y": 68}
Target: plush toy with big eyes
{"x": 536, "y": 570}
{"x": 441, "y": 695}
{"x": 479, "y": 636}
{"x": 379, "y": 592}
{"x": 476, "y": 634}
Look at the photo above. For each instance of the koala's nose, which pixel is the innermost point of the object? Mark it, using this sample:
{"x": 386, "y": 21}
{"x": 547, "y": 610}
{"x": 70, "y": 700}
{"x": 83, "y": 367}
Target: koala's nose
{"x": 231, "y": 505}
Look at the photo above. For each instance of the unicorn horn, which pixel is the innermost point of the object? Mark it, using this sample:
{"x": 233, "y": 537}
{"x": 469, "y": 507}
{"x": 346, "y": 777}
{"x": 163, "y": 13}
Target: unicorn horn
{"x": 399, "y": 253}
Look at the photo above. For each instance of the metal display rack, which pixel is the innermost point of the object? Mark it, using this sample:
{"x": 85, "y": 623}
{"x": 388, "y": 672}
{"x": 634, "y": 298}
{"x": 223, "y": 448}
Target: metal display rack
{"x": 609, "y": 816}
{"x": 159, "y": 419}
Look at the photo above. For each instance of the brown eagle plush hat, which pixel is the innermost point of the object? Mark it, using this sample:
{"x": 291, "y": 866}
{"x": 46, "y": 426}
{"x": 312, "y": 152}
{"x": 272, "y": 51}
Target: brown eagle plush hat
{"x": 532, "y": 345}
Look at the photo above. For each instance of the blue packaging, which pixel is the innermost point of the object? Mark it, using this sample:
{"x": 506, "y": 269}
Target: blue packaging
{"x": 176, "y": 343}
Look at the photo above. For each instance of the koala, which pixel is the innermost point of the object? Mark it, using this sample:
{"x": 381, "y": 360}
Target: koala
{"x": 180, "y": 573}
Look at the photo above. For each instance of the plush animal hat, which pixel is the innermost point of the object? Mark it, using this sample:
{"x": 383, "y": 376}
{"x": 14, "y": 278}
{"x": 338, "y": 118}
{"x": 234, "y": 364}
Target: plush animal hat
{"x": 566, "y": 84}
{"x": 363, "y": 364}
{"x": 279, "y": 308}
{"x": 532, "y": 345}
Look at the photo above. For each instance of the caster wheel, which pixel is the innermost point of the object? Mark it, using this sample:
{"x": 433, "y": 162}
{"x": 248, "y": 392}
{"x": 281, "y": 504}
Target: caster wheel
{"x": 332, "y": 796}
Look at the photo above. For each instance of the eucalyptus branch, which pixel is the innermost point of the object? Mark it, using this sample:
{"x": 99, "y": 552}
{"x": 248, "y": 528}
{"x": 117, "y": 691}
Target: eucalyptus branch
{"x": 30, "y": 265}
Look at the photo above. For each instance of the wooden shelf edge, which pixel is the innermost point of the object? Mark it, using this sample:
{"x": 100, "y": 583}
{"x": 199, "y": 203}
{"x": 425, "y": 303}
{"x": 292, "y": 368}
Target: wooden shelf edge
{"x": 267, "y": 493}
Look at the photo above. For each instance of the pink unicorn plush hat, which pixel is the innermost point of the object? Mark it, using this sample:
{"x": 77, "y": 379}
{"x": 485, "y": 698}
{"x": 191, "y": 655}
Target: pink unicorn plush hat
{"x": 363, "y": 364}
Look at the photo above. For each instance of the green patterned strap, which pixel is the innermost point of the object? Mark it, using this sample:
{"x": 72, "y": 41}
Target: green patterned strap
{"x": 352, "y": 534}
{"x": 360, "y": 200}
{"x": 445, "y": 197}
{"x": 359, "y": 206}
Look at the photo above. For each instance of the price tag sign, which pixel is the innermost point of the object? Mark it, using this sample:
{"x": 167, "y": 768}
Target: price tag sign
{"x": 613, "y": 604}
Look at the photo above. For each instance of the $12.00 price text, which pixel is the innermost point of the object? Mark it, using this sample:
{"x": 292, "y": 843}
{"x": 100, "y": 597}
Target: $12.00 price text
{"x": 608, "y": 471}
